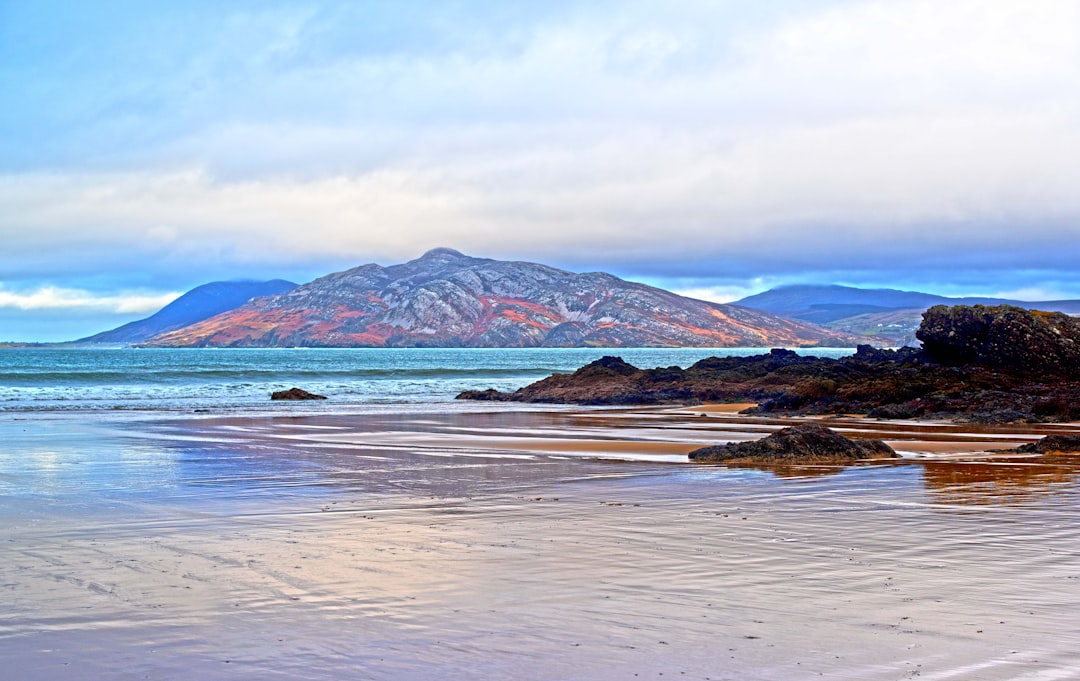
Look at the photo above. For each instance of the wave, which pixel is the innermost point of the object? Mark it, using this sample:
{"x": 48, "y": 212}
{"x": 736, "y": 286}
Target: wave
{"x": 259, "y": 375}
{"x": 186, "y": 381}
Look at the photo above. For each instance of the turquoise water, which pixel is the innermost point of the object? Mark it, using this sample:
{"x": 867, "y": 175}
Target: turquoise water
{"x": 55, "y": 380}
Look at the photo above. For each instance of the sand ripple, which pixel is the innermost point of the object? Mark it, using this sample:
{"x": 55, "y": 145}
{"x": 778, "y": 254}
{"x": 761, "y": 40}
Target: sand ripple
{"x": 350, "y": 552}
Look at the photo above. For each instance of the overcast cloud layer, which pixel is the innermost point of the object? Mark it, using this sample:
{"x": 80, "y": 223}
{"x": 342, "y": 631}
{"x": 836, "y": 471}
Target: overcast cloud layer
{"x": 718, "y": 147}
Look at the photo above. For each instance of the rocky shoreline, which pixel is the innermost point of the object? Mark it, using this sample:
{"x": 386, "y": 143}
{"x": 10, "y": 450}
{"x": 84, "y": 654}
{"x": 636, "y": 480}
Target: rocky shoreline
{"x": 978, "y": 364}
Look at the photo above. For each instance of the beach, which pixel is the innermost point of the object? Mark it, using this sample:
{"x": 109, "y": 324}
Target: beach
{"x": 528, "y": 544}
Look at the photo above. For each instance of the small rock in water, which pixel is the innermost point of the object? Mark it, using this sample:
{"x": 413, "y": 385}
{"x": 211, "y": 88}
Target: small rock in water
{"x": 295, "y": 394}
{"x": 804, "y": 443}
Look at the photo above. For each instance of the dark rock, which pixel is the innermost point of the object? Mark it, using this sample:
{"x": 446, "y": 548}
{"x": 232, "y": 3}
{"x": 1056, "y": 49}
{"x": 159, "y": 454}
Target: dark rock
{"x": 981, "y": 364}
{"x": 295, "y": 394}
{"x": 904, "y": 410}
{"x": 1052, "y": 443}
{"x": 489, "y": 395}
{"x": 1002, "y": 336}
{"x": 996, "y": 416}
{"x": 804, "y": 443}
{"x": 1057, "y": 409}
{"x": 607, "y": 366}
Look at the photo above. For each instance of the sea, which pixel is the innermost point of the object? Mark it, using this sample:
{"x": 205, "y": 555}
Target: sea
{"x": 215, "y": 381}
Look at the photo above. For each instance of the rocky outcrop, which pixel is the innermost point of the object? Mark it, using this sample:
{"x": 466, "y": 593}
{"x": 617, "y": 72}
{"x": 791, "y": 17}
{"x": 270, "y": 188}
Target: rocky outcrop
{"x": 967, "y": 371}
{"x": 295, "y": 394}
{"x": 779, "y": 380}
{"x": 447, "y": 299}
{"x": 804, "y": 443}
{"x": 1052, "y": 444}
{"x": 1004, "y": 337}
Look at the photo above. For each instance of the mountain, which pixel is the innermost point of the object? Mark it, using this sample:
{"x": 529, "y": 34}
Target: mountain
{"x": 447, "y": 299}
{"x": 888, "y": 313}
{"x": 201, "y": 302}
{"x": 823, "y": 304}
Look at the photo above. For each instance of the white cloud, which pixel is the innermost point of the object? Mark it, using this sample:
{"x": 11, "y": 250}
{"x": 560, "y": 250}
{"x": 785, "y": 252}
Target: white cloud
{"x": 718, "y": 294}
{"x": 55, "y": 298}
{"x": 837, "y": 193}
{"x": 851, "y": 134}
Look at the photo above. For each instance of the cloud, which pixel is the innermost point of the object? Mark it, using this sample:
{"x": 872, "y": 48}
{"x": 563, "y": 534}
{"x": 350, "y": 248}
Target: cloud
{"x": 55, "y": 298}
{"x": 719, "y": 294}
{"x": 898, "y": 192}
{"x": 705, "y": 140}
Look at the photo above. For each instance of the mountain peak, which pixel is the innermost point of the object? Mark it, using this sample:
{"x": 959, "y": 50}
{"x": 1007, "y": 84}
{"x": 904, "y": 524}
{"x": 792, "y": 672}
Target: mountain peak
{"x": 445, "y": 254}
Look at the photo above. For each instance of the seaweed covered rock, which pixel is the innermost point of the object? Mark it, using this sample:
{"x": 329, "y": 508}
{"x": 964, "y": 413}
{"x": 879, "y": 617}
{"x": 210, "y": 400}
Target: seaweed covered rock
{"x": 1002, "y": 336}
{"x": 295, "y": 394}
{"x": 486, "y": 395}
{"x": 608, "y": 380}
{"x": 606, "y": 366}
{"x": 1052, "y": 443}
{"x": 804, "y": 443}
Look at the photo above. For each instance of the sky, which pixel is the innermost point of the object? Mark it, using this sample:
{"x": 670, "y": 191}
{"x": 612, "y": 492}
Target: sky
{"x": 714, "y": 147}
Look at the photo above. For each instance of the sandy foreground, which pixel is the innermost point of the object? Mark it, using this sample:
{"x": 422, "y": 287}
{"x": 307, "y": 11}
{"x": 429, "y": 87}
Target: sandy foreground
{"x": 529, "y": 545}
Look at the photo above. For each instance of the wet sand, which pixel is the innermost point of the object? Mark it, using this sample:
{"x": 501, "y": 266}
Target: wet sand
{"x": 525, "y": 545}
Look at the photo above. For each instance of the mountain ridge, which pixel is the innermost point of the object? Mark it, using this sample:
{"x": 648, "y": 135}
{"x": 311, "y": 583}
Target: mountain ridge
{"x": 888, "y": 313}
{"x": 198, "y": 304}
{"x": 812, "y": 302}
{"x": 445, "y": 298}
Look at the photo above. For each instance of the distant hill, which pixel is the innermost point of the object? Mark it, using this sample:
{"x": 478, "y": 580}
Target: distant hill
{"x": 823, "y": 304}
{"x": 889, "y": 313}
{"x": 201, "y": 302}
{"x": 447, "y": 299}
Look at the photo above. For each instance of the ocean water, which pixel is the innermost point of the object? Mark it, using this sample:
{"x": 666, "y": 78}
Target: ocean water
{"x": 221, "y": 381}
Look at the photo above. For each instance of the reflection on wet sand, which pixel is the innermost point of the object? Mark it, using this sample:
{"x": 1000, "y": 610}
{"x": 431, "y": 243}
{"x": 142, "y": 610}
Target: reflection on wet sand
{"x": 959, "y": 461}
{"x": 805, "y": 471}
{"x": 999, "y": 481}
{"x": 460, "y": 546}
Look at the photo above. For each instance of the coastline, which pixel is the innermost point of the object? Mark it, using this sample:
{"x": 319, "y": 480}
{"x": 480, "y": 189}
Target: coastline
{"x": 517, "y": 544}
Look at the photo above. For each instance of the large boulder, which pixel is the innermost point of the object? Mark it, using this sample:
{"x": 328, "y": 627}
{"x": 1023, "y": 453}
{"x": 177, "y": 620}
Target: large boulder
{"x": 1003, "y": 337}
{"x": 804, "y": 443}
{"x": 1051, "y": 444}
